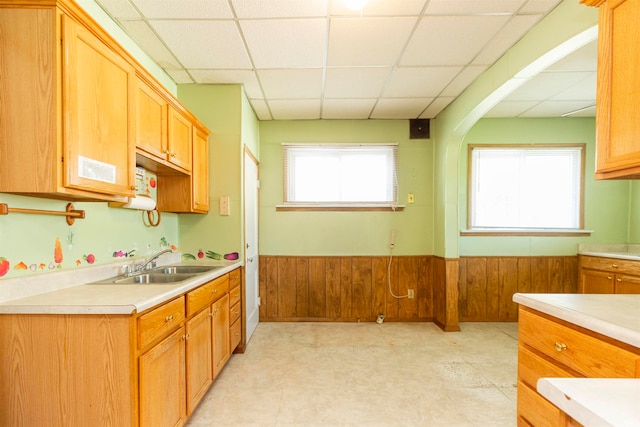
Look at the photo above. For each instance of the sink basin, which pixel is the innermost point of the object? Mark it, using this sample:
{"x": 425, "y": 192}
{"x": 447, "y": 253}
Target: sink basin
{"x": 153, "y": 278}
{"x": 184, "y": 269}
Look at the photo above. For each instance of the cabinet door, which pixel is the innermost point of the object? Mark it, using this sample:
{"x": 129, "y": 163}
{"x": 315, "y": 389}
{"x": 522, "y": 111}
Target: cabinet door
{"x": 99, "y": 150}
{"x": 200, "y": 173}
{"x": 221, "y": 352}
{"x": 151, "y": 124}
{"x": 179, "y": 144}
{"x": 162, "y": 383}
{"x": 627, "y": 284}
{"x": 596, "y": 282}
{"x": 618, "y": 91}
{"x": 199, "y": 367}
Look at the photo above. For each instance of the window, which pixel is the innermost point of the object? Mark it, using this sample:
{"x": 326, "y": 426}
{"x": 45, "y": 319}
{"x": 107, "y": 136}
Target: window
{"x": 526, "y": 187}
{"x": 340, "y": 174}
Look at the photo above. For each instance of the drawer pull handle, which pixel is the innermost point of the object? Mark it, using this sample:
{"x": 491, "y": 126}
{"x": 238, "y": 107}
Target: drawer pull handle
{"x": 560, "y": 346}
{"x": 168, "y": 318}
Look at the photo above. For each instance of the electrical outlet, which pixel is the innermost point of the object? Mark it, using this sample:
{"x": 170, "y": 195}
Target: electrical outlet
{"x": 411, "y": 198}
{"x": 224, "y": 205}
{"x": 410, "y": 293}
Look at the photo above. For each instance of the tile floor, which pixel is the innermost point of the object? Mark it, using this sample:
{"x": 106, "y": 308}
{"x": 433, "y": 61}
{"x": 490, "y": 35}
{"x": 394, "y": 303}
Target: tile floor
{"x": 367, "y": 374}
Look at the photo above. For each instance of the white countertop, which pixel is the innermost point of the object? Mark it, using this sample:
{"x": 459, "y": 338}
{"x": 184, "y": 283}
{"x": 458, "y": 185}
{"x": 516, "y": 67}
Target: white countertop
{"x": 595, "y": 401}
{"x": 620, "y": 251}
{"x": 110, "y": 298}
{"x": 613, "y": 315}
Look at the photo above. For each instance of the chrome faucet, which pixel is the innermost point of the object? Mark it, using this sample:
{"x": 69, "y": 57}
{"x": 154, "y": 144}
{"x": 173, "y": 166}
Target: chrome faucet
{"x": 150, "y": 263}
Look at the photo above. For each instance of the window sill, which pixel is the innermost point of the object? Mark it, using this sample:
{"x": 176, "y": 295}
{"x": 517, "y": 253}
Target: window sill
{"x": 338, "y": 207}
{"x": 547, "y": 232}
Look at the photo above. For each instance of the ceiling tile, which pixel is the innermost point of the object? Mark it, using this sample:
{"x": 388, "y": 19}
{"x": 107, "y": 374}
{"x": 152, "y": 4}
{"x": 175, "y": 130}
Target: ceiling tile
{"x": 582, "y": 90}
{"x": 436, "y": 107}
{"x": 510, "y": 108}
{"x": 539, "y": 6}
{"x": 506, "y": 38}
{"x": 296, "y": 109}
{"x": 367, "y": 41}
{"x": 247, "y": 78}
{"x": 347, "y": 108}
{"x": 179, "y": 76}
{"x": 149, "y": 42}
{"x": 363, "y": 82}
{"x": 545, "y": 85}
{"x": 451, "y": 40}
{"x": 380, "y": 8}
{"x": 399, "y": 108}
{"x": 463, "y": 79}
{"x": 555, "y": 108}
{"x": 286, "y": 43}
{"x": 120, "y": 9}
{"x": 280, "y": 8}
{"x": 223, "y": 47}
{"x": 291, "y": 84}
{"x": 421, "y": 82}
{"x": 585, "y": 58}
{"x": 261, "y": 109}
{"x": 184, "y": 9}
{"x": 472, "y": 7}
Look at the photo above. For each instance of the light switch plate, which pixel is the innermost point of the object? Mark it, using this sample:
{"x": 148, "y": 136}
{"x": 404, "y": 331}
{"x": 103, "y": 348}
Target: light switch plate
{"x": 224, "y": 205}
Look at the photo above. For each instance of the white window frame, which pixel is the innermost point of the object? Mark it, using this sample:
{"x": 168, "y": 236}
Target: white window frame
{"x": 577, "y": 185}
{"x": 291, "y": 151}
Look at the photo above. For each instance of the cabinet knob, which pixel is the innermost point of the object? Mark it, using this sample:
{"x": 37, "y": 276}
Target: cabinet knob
{"x": 618, "y": 280}
{"x": 168, "y": 318}
{"x": 133, "y": 187}
{"x": 614, "y": 265}
{"x": 185, "y": 336}
{"x": 174, "y": 155}
{"x": 215, "y": 291}
{"x": 165, "y": 151}
{"x": 560, "y": 346}
{"x": 608, "y": 277}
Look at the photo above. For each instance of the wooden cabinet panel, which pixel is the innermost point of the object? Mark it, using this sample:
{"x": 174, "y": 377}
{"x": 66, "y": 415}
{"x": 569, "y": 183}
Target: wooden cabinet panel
{"x": 198, "y": 358}
{"x": 220, "y": 322}
{"x": 200, "y": 173}
{"x": 180, "y": 139}
{"x": 535, "y": 409}
{"x": 618, "y": 89}
{"x": 596, "y": 282}
{"x": 586, "y": 354}
{"x": 159, "y": 321}
{"x": 627, "y": 284}
{"x": 204, "y": 295}
{"x": 235, "y": 331}
{"x": 151, "y": 121}
{"x": 162, "y": 383}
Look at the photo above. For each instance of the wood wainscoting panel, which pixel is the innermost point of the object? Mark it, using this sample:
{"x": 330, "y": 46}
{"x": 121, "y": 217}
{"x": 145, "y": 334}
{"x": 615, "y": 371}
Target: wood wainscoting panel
{"x": 486, "y": 284}
{"x": 326, "y": 288}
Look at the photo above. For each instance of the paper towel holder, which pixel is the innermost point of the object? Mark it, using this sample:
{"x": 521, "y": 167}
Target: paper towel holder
{"x": 139, "y": 202}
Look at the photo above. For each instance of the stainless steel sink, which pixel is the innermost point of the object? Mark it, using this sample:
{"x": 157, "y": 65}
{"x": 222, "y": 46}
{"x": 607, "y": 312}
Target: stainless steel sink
{"x": 184, "y": 269}
{"x": 153, "y": 278}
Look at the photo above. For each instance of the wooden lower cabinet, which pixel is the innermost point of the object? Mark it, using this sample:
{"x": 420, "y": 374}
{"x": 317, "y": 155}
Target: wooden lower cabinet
{"x": 601, "y": 275}
{"x": 199, "y": 367}
{"x": 550, "y": 347}
{"x": 162, "y": 383}
{"x": 143, "y": 370}
{"x": 220, "y": 335}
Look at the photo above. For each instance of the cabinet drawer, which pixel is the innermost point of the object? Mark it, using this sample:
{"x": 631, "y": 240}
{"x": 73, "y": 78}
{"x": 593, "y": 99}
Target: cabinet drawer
{"x": 234, "y": 295}
{"x": 235, "y": 333}
{"x": 234, "y": 278}
{"x": 534, "y": 409}
{"x": 234, "y": 312}
{"x": 610, "y": 264}
{"x": 204, "y": 295}
{"x": 586, "y": 354}
{"x": 531, "y": 367}
{"x": 160, "y": 321}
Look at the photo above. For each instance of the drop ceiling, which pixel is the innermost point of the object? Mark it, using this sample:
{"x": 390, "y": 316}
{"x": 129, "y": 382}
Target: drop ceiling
{"x": 317, "y": 59}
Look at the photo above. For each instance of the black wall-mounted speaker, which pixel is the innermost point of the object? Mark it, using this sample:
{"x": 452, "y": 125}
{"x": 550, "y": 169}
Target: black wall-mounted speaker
{"x": 419, "y": 129}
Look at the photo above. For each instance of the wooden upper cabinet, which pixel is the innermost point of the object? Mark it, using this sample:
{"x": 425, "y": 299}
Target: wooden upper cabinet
{"x": 200, "y": 174}
{"x": 618, "y": 89}
{"x": 65, "y": 109}
{"x": 98, "y": 125}
{"x": 151, "y": 116}
{"x": 180, "y": 139}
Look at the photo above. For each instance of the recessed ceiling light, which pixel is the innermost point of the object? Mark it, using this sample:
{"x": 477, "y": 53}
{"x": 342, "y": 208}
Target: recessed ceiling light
{"x": 355, "y": 4}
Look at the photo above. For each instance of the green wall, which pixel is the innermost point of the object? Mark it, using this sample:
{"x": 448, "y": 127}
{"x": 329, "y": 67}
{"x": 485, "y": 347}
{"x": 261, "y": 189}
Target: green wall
{"x": 346, "y": 233}
{"x": 225, "y": 110}
{"x": 606, "y": 202}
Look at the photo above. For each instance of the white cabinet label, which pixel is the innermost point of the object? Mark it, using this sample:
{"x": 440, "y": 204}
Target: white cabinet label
{"x": 98, "y": 171}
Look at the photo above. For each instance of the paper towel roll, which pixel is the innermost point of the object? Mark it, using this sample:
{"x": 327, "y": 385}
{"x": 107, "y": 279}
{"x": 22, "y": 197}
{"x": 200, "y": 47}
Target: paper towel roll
{"x": 142, "y": 203}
